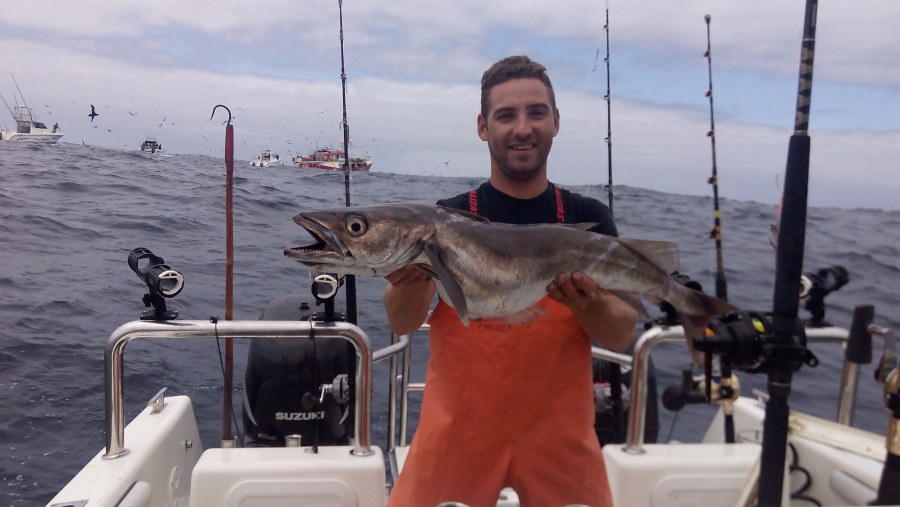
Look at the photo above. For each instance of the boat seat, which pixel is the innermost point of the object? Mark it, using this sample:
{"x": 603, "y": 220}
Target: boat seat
{"x": 280, "y": 476}
{"x": 679, "y": 474}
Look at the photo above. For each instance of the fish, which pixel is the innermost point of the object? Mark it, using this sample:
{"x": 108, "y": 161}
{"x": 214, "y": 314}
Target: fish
{"x": 491, "y": 270}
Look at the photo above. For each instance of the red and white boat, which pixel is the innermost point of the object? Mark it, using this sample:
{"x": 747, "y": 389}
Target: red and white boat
{"x": 331, "y": 159}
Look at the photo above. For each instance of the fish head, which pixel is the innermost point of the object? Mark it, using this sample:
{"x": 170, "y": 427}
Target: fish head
{"x": 367, "y": 241}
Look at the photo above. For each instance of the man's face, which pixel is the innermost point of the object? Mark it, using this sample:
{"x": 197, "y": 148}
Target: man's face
{"x": 519, "y": 128}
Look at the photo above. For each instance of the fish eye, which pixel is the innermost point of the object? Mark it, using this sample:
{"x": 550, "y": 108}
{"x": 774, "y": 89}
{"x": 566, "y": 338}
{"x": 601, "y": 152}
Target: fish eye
{"x": 356, "y": 225}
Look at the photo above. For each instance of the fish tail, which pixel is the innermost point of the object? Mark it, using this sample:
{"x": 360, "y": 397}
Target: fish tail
{"x": 695, "y": 309}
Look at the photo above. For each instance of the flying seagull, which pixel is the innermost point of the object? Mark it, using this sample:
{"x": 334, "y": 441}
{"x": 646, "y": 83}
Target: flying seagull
{"x": 93, "y": 113}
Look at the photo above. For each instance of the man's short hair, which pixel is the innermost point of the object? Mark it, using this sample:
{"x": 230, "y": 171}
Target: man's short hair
{"x": 513, "y": 67}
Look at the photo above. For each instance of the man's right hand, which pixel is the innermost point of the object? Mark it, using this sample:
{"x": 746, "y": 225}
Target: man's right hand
{"x": 408, "y": 298}
{"x": 410, "y": 277}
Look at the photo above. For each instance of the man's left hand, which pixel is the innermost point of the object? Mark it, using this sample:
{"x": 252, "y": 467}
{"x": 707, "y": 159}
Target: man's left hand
{"x": 576, "y": 290}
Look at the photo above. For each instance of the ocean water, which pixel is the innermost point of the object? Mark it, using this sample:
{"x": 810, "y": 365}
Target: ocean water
{"x": 70, "y": 214}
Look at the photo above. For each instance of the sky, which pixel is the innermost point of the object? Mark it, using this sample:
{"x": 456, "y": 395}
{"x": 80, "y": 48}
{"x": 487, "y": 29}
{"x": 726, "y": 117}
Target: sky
{"x": 413, "y": 71}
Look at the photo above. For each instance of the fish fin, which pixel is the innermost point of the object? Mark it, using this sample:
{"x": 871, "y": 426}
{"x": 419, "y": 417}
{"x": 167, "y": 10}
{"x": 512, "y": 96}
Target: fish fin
{"x": 526, "y": 316}
{"x": 662, "y": 254}
{"x": 633, "y": 300}
{"x": 463, "y": 213}
{"x": 448, "y": 282}
{"x": 584, "y": 226}
{"x": 696, "y": 322}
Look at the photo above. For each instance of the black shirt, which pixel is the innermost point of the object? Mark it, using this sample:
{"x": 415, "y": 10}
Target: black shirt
{"x": 499, "y": 207}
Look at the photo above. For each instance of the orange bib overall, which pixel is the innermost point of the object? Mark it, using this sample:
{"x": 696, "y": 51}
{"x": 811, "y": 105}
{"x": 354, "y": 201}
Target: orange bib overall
{"x": 506, "y": 405}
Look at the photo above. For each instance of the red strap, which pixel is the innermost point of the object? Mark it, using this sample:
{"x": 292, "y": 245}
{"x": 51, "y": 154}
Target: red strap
{"x": 473, "y": 202}
{"x": 560, "y": 211}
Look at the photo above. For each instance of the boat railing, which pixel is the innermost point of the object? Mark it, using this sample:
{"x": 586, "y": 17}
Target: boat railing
{"x": 181, "y": 329}
{"x": 400, "y": 386}
{"x": 659, "y": 334}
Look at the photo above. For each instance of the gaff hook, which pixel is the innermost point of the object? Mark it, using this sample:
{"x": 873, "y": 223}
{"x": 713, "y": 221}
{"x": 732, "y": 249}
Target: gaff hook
{"x": 227, "y": 413}
{"x": 223, "y": 107}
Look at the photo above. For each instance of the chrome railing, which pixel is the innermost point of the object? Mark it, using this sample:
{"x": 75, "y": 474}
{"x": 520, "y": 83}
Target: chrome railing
{"x": 400, "y": 386}
{"x": 180, "y": 329}
{"x": 654, "y": 336}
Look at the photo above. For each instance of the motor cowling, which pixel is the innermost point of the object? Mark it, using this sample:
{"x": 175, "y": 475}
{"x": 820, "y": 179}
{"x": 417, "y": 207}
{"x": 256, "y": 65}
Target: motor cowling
{"x": 283, "y": 383}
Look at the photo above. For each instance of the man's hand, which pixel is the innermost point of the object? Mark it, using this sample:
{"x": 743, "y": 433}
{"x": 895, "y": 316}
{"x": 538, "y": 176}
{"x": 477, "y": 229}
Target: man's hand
{"x": 606, "y": 318}
{"x": 408, "y": 298}
{"x": 576, "y": 290}
{"x": 411, "y": 277}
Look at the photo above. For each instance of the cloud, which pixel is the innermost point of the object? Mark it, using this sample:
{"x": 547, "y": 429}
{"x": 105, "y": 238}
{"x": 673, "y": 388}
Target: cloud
{"x": 413, "y": 72}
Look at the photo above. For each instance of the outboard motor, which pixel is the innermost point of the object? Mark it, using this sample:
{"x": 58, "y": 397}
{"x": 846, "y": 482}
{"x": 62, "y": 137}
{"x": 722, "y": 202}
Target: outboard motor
{"x": 283, "y": 388}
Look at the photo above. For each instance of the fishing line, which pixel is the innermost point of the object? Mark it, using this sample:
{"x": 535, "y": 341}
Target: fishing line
{"x": 316, "y": 374}
{"x": 215, "y": 323}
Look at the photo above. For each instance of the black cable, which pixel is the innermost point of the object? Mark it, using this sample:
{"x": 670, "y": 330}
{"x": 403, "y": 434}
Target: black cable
{"x": 795, "y": 467}
{"x": 312, "y": 336}
{"x": 215, "y": 323}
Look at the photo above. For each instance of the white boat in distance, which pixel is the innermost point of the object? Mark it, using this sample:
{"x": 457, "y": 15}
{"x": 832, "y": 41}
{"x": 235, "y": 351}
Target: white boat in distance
{"x": 28, "y": 127}
{"x": 150, "y": 145}
{"x": 266, "y": 159}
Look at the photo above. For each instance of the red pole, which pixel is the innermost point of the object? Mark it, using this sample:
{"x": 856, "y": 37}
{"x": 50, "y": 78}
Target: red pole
{"x": 227, "y": 408}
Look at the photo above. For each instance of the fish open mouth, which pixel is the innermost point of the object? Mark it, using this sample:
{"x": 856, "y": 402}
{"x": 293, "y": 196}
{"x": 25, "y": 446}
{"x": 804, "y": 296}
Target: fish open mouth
{"x": 326, "y": 247}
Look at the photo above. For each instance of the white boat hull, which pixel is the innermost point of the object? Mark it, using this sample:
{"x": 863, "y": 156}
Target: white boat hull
{"x": 157, "y": 460}
{"x": 48, "y": 137}
{"x": 257, "y": 163}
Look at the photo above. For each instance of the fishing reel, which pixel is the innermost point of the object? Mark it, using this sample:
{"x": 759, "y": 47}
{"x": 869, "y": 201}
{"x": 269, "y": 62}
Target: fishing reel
{"x": 815, "y": 286}
{"x": 162, "y": 282}
{"x": 746, "y": 341}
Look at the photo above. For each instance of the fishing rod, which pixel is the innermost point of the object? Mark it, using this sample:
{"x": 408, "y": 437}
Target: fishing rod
{"x": 721, "y": 286}
{"x": 615, "y": 370}
{"x": 608, "y": 99}
{"x": 786, "y": 352}
{"x": 7, "y": 107}
{"x": 726, "y": 390}
{"x": 349, "y": 280}
{"x": 20, "y": 92}
{"x": 227, "y": 437}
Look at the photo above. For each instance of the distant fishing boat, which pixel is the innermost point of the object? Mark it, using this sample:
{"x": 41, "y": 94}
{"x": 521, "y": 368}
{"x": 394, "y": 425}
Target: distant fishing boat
{"x": 150, "y": 145}
{"x": 331, "y": 159}
{"x": 266, "y": 159}
{"x": 28, "y": 127}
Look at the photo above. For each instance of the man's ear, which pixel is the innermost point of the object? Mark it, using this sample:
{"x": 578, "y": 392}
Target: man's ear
{"x": 556, "y": 121}
{"x": 482, "y": 127}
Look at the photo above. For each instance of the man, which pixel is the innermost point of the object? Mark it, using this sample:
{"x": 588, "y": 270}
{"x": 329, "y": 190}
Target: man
{"x": 512, "y": 405}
